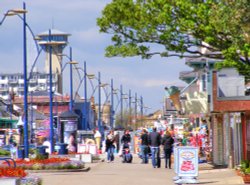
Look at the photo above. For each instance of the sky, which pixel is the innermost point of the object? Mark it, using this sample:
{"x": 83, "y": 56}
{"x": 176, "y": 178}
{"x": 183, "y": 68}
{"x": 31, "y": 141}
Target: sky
{"x": 146, "y": 77}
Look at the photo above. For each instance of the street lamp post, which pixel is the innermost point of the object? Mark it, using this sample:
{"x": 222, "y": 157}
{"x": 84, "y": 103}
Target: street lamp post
{"x": 141, "y": 100}
{"x": 71, "y": 63}
{"x": 86, "y": 112}
{"x": 51, "y": 97}
{"x": 31, "y": 117}
{"x": 129, "y": 106}
{"x": 26, "y": 137}
{"x": 99, "y": 102}
{"x": 121, "y": 99}
{"x": 135, "y": 107}
{"x": 71, "y": 81}
{"x": 112, "y": 105}
{"x": 84, "y": 79}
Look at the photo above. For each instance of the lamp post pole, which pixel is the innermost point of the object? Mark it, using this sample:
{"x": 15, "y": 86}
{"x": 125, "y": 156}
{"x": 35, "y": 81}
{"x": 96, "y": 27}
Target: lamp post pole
{"x": 26, "y": 137}
{"x": 129, "y": 106}
{"x": 121, "y": 99}
{"x": 141, "y": 110}
{"x": 135, "y": 107}
{"x": 51, "y": 96}
{"x": 86, "y": 125}
{"x": 112, "y": 106}
{"x": 31, "y": 121}
{"x": 71, "y": 81}
{"x": 99, "y": 102}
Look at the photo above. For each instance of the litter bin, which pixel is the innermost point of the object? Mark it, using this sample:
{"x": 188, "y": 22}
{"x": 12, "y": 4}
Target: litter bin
{"x": 20, "y": 152}
{"x": 42, "y": 149}
{"x": 61, "y": 148}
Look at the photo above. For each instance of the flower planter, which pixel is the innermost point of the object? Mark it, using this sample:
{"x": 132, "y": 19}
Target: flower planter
{"x": 246, "y": 178}
{"x": 10, "y": 181}
{"x": 87, "y": 158}
{"x": 238, "y": 172}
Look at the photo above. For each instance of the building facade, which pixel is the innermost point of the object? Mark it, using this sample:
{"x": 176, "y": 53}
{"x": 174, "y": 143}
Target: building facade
{"x": 14, "y": 83}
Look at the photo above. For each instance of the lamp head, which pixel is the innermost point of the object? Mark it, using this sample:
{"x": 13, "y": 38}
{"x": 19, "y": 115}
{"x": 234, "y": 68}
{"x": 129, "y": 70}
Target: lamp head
{"x": 10, "y": 14}
{"x": 19, "y": 11}
{"x": 104, "y": 85}
{"x": 73, "y": 62}
{"x": 91, "y": 76}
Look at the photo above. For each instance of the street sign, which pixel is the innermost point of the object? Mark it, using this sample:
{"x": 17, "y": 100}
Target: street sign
{"x": 186, "y": 164}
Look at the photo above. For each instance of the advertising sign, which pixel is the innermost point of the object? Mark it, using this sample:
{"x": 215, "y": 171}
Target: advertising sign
{"x": 175, "y": 160}
{"x": 70, "y": 126}
{"x": 187, "y": 161}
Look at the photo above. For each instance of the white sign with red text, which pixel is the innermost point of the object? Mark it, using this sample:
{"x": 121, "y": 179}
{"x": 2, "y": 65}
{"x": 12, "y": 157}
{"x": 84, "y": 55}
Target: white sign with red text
{"x": 187, "y": 161}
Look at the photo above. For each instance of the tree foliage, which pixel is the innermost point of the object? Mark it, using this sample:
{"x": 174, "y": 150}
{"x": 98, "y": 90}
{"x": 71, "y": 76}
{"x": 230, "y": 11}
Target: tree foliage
{"x": 179, "y": 28}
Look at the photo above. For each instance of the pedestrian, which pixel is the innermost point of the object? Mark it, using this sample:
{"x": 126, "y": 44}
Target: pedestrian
{"x": 167, "y": 143}
{"x": 117, "y": 141}
{"x": 126, "y": 138}
{"x": 144, "y": 146}
{"x": 155, "y": 142}
{"x": 13, "y": 150}
{"x": 125, "y": 141}
{"x": 97, "y": 136}
{"x": 110, "y": 146}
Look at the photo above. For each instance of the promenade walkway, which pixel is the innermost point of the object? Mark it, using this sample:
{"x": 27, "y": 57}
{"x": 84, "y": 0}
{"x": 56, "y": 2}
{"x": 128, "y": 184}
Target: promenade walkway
{"x": 118, "y": 173}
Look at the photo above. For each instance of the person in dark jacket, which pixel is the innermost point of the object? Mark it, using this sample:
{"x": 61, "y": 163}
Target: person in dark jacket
{"x": 167, "y": 143}
{"x": 125, "y": 140}
{"x": 144, "y": 146}
{"x": 110, "y": 146}
{"x": 155, "y": 142}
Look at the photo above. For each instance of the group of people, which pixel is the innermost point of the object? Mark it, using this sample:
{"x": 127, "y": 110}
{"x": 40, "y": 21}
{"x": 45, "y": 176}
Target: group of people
{"x": 112, "y": 143}
{"x": 151, "y": 142}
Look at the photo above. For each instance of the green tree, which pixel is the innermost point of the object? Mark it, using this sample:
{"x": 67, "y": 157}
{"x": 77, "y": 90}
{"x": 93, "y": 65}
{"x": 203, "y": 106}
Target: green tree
{"x": 179, "y": 28}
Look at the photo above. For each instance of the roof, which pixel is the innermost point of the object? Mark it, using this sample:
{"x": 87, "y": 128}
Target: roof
{"x": 69, "y": 114}
{"x": 53, "y": 32}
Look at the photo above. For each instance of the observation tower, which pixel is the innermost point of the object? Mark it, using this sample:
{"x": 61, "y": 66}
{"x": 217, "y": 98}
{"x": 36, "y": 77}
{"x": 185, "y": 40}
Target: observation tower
{"x": 59, "y": 40}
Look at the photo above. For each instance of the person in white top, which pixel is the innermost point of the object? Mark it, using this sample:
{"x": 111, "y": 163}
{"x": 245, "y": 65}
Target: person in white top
{"x": 97, "y": 136}
{"x": 47, "y": 143}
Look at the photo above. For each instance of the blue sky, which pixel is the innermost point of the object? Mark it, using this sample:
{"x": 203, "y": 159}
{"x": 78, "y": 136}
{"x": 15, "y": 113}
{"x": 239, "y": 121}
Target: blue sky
{"x": 145, "y": 77}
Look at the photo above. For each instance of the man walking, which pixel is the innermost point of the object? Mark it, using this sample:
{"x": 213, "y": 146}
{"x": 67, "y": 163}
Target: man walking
{"x": 155, "y": 142}
{"x": 144, "y": 146}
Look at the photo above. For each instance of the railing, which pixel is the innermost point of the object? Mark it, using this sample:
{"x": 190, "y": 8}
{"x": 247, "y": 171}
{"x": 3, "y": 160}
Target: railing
{"x": 8, "y": 159}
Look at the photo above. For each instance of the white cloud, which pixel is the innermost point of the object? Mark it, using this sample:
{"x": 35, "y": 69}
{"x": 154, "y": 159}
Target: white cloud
{"x": 90, "y": 35}
{"x": 154, "y": 83}
{"x": 76, "y": 5}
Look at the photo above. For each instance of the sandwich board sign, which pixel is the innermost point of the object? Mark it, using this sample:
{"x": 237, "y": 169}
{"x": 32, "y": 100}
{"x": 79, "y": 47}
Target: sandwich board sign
{"x": 186, "y": 164}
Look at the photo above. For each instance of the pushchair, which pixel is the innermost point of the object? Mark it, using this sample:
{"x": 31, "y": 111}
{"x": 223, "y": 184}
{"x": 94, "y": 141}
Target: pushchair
{"x": 127, "y": 157}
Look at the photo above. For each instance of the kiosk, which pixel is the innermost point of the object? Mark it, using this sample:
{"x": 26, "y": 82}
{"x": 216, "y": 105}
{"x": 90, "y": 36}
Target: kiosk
{"x": 68, "y": 125}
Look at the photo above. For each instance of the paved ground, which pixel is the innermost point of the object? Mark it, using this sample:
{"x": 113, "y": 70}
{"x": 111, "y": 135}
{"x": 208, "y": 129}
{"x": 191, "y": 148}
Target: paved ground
{"x": 118, "y": 173}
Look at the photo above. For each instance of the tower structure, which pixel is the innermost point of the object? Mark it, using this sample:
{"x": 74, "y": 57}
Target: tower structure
{"x": 58, "y": 42}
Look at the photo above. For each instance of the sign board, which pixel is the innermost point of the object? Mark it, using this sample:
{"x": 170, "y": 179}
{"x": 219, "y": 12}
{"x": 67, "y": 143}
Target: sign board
{"x": 70, "y": 126}
{"x": 175, "y": 160}
{"x": 84, "y": 148}
{"x": 187, "y": 161}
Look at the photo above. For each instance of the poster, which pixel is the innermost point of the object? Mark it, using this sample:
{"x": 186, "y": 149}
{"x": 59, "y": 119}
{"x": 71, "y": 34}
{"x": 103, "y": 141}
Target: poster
{"x": 137, "y": 143}
{"x": 187, "y": 161}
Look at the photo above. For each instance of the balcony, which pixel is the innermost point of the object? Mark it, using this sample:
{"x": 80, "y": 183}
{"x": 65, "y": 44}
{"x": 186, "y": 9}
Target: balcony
{"x": 13, "y": 81}
{"x": 4, "y": 89}
{"x": 33, "y": 81}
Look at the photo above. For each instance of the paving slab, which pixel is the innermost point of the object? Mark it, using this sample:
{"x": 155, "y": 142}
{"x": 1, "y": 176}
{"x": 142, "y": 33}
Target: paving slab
{"x": 118, "y": 173}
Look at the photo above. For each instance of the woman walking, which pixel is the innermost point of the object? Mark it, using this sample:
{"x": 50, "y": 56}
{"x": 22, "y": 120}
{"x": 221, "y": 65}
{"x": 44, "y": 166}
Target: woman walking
{"x": 167, "y": 143}
{"x": 110, "y": 147}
